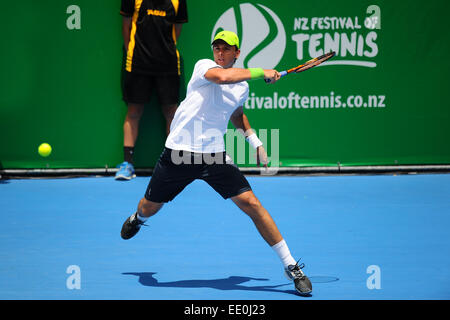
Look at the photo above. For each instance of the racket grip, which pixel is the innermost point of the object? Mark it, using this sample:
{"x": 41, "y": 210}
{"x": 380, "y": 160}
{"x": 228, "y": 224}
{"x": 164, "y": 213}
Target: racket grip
{"x": 282, "y": 74}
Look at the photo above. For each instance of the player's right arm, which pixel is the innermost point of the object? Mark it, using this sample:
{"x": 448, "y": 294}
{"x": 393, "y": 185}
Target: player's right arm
{"x": 234, "y": 75}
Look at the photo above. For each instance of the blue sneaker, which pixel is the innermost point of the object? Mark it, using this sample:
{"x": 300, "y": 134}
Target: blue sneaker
{"x": 126, "y": 171}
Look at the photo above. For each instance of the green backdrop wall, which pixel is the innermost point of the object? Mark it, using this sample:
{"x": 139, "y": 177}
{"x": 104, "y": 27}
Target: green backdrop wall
{"x": 383, "y": 100}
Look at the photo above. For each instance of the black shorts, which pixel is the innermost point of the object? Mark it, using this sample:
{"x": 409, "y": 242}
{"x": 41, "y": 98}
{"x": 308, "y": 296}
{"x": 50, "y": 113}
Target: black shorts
{"x": 176, "y": 169}
{"x": 138, "y": 88}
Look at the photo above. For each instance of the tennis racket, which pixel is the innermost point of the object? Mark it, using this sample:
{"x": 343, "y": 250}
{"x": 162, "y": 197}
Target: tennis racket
{"x": 308, "y": 64}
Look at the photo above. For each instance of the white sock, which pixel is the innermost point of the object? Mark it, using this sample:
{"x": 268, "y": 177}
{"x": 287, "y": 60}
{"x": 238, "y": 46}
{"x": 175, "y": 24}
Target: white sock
{"x": 282, "y": 250}
{"x": 141, "y": 218}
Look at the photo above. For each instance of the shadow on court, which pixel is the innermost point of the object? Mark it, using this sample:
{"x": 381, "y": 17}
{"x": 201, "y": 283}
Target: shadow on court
{"x": 230, "y": 283}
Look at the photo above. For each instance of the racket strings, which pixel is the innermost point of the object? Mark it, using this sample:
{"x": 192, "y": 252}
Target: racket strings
{"x": 314, "y": 62}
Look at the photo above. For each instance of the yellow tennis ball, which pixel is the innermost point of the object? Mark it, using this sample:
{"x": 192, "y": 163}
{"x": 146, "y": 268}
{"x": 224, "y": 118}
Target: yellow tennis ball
{"x": 45, "y": 149}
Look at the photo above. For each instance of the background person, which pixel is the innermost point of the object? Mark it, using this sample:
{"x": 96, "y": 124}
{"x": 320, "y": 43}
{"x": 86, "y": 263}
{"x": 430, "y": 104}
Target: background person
{"x": 150, "y": 31}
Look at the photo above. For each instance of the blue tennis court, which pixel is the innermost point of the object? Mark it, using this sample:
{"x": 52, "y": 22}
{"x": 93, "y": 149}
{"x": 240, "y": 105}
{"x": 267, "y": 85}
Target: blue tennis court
{"x": 361, "y": 237}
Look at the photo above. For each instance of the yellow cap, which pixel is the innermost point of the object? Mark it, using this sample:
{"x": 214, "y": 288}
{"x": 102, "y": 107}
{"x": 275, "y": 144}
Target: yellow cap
{"x": 229, "y": 37}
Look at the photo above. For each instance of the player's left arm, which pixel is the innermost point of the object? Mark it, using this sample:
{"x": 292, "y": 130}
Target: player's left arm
{"x": 240, "y": 121}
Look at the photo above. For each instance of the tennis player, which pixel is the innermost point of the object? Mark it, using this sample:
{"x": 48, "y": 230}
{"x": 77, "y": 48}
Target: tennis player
{"x": 195, "y": 149}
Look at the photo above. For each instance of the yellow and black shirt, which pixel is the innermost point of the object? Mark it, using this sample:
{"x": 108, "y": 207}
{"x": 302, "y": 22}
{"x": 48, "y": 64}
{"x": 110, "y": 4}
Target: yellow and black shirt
{"x": 152, "y": 48}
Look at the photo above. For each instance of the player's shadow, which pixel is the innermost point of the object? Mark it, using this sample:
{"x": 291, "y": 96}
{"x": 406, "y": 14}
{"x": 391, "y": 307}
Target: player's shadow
{"x": 230, "y": 283}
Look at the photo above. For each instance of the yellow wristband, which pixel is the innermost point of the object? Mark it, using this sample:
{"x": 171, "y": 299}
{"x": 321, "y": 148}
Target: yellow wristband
{"x": 256, "y": 73}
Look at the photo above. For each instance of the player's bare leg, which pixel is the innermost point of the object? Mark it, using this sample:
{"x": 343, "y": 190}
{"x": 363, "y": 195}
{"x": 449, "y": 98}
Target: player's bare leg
{"x": 248, "y": 203}
{"x": 147, "y": 208}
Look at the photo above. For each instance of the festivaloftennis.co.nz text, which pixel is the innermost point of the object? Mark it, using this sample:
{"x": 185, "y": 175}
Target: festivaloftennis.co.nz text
{"x": 332, "y": 101}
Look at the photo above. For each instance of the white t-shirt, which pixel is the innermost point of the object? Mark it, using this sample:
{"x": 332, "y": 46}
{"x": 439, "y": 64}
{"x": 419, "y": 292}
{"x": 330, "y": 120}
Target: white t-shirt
{"x": 201, "y": 120}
